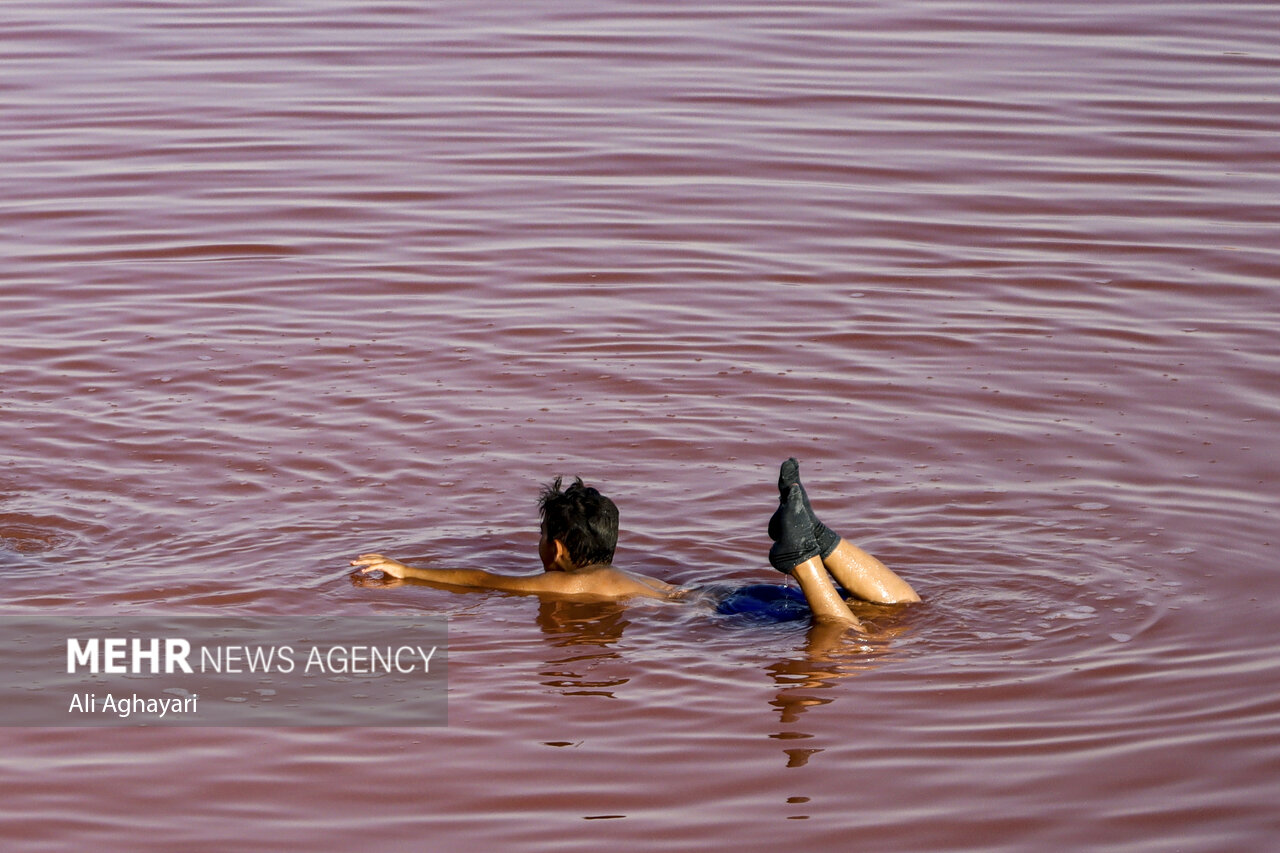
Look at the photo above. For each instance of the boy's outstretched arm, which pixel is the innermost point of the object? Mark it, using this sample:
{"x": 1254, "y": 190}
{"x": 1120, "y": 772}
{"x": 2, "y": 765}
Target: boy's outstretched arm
{"x": 597, "y": 582}
{"x": 455, "y": 577}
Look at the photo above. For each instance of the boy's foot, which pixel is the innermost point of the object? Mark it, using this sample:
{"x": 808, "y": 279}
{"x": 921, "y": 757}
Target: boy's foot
{"x": 789, "y": 476}
{"x": 791, "y": 530}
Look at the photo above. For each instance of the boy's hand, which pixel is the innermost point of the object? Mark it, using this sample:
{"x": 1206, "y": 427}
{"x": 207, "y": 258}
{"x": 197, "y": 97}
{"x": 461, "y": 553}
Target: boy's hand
{"x": 377, "y": 563}
{"x": 371, "y": 582}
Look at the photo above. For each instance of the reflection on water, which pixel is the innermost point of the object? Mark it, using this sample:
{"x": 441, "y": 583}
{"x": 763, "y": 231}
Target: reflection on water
{"x": 830, "y": 655}
{"x": 576, "y": 623}
{"x": 825, "y": 654}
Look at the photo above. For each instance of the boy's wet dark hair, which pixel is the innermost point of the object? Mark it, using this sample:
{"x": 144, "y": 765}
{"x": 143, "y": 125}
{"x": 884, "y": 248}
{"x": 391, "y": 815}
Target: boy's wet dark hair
{"x": 582, "y": 518}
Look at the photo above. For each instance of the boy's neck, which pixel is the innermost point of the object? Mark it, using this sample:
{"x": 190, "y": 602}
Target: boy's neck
{"x": 576, "y": 570}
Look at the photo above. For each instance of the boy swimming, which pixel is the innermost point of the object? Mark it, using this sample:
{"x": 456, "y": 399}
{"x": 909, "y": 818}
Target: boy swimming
{"x": 580, "y": 533}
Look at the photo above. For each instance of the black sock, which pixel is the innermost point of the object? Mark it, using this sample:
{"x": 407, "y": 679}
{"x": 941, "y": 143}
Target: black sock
{"x": 789, "y": 476}
{"x": 792, "y": 532}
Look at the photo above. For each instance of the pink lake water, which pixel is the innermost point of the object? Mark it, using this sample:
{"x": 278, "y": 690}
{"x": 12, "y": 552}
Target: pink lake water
{"x": 283, "y": 282}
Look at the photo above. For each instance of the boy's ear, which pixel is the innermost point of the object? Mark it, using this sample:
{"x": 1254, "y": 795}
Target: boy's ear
{"x": 561, "y": 558}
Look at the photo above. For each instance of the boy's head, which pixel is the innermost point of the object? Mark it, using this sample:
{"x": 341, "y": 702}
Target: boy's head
{"x": 584, "y": 521}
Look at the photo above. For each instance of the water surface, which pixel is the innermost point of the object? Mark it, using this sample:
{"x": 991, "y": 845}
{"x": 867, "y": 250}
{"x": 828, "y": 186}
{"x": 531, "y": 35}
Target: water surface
{"x": 284, "y": 282}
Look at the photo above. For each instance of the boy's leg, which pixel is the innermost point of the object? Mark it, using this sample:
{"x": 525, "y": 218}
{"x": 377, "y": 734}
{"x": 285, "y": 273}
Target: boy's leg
{"x": 824, "y": 599}
{"x": 795, "y": 552}
{"x": 866, "y": 577}
{"x": 856, "y": 570}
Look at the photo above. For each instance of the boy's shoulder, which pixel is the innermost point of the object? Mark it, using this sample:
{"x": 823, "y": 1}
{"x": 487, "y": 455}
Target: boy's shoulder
{"x": 607, "y": 582}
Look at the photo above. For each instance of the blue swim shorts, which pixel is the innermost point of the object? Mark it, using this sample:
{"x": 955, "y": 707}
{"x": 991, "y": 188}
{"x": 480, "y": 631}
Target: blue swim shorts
{"x": 765, "y": 602}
